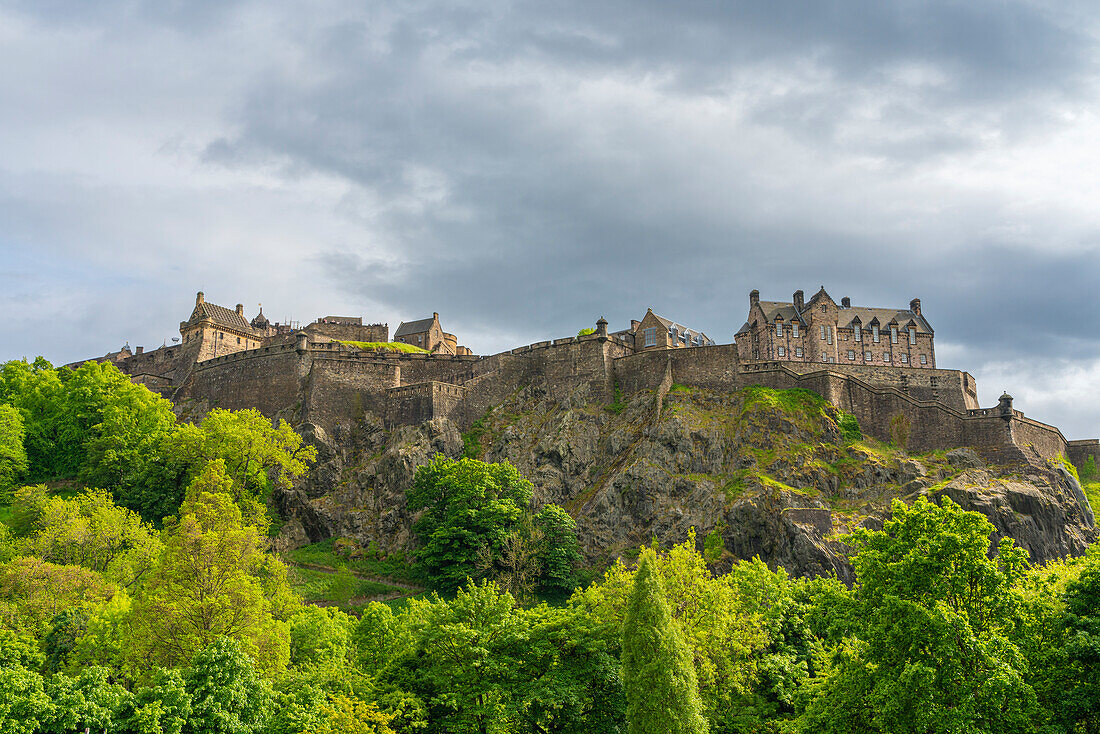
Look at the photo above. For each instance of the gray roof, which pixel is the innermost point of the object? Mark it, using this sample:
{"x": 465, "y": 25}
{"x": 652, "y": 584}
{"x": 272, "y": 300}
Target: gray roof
{"x": 845, "y": 316}
{"x": 220, "y": 315}
{"x": 413, "y": 327}
{"x": 681, "y": 329}
{"x": 779, "y": 308}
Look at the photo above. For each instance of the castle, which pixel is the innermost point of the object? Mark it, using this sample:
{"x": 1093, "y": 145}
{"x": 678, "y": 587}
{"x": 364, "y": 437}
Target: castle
{"x": 876, "y": 363}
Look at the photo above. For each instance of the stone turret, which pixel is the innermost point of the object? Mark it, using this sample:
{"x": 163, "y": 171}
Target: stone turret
{"x": 601, "y": 327}
{"x": 1004, "y": 405}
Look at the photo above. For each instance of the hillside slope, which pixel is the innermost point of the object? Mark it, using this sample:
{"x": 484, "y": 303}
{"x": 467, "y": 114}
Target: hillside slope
{"x": 778, "y": 474}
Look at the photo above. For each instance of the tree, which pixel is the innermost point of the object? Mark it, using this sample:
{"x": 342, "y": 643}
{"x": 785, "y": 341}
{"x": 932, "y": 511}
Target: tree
{"x": 467, "y": 504}
{"x": 13, "y": 455}
{"x": 662, "y": 696}
{"x": 162, "y": 707}
{"x": 560, "y": 554}
{"x": 89, "y": 530}
{"x": 209, "y": 583}
{"x": 88, "y": 701}
{"x": 345, "y": 715}
{"x": 33, "y": 592}
{"x": 929, "y": 649}
{"x": 227, "y": 694}
{"x": 1079, "y": 707}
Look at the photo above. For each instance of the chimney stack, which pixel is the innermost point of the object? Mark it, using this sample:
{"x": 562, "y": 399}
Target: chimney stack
{"x": 799, "y": 301}
{"x": 140, "y": 350}
{"x": 240, "y": 310}
{"x": 754, "y": 297}
{"x": 435, "y": 315}
{"x": 846, "y": 302}
{"x": 914, "y": 306}
{"x": 199, "y": 299}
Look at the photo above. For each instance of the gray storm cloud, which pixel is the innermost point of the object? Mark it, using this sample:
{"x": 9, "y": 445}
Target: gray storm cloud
{"x": 526, "y": 168}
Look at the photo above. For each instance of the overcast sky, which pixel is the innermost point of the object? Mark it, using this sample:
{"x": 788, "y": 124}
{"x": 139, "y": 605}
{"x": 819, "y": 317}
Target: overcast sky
{"x": 526, "y": 168}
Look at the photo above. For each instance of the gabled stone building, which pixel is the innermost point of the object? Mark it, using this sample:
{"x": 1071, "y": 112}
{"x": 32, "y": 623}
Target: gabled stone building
{"x": 428, "y": 334}
{"x": 214, "y": 331}
{"x": 823, "y": 331}
{"x": 657, "y": 332}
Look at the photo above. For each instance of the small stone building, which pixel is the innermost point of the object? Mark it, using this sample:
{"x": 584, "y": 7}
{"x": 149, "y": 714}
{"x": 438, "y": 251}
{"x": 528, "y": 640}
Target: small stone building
{"x": 821, "y": 330}
{"x": 657, "y": 332}
{"x": 428, "y": 334}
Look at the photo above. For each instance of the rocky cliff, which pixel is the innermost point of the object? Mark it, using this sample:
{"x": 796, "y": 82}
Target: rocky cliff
{"x": 778, "y": 474}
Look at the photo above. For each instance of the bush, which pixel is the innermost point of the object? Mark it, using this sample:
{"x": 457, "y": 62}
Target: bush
{"x": 586, "y": 332}
{"x": 849, "y": 427}
{"x": 1088, "y": 469}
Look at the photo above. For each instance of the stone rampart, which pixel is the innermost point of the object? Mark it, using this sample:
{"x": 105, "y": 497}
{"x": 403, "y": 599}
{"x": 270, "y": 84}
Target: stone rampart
{"x": 1079, "y": 451}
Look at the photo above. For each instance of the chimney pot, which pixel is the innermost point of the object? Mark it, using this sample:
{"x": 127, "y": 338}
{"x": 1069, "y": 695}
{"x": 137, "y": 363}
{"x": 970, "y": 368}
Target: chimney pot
{"x": 914, "y": 306}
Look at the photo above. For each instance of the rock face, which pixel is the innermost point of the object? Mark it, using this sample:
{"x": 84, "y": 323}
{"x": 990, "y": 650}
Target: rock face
{"x": 775, "y": 474}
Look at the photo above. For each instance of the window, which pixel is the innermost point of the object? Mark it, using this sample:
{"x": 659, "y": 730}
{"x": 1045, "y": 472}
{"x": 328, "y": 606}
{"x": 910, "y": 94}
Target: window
{"x": 893, "y": 335}
{"x": 651, "y": 337}
{"x": 859, "y": 333}
{"x": 420, "y": 340}
{"x": 782, "y": 352}
{"x": 912, "y": 335}
{"x": 238, "y": 340}
{"x": 794, "y": 329}
{"x": 825, "y": 358}
{"x": 823, "y": 332}
{"x": 885, "y": 356}
{"x": 905, "y": 359}
{"x": 830, "y": 333}
{"x": 874, "y": 334}
{"x": 924, "y": 359}
{"x": 867, "y": 357}
{"x": 852, "y": 354}
{"x": 779, "y": 329}
{"x": 798, "y": 351}
{"x": 823, "y": 308}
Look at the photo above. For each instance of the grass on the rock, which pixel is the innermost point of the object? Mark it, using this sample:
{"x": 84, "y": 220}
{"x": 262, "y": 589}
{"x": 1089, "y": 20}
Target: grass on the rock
{"x": 385, "y": 347}
{"x": 339, "y": 588}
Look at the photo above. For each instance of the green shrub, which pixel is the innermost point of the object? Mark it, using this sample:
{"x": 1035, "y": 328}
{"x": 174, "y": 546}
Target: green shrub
{"x": 713, "y": 545}
{"x": 385, "y": 347}
{"x": 849, "y": 427}
{"x": 1088, "y": 469}
{"x": 617, "y": 404}
{"x": 586, "y": 332}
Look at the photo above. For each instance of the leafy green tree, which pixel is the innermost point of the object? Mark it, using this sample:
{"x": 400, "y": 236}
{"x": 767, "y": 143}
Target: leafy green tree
{"x": 162, "y": 707}
{"x": 209, "y": 583}
{"x": 88, "y": 701}
{"x": 228, "y": 696}
{"x": 319, "y": 637}
{"x": 23, "y": 700}
{"x": 33, "y": 592}
{"x": 1079, "y": 707}
{"x": 560, "y": 554}
{"x": 930, "y": 650}
{"x": 662, "y": 695}
{"x": 65, "y": 629}
{"x": 37, "y": 391}
{"x": 467, "y": 505}
{"x": 344, "y": 715}
{"x": 27, "y": 505}
{"x": 13, "y": 455}
{"x": 89, "y": 530}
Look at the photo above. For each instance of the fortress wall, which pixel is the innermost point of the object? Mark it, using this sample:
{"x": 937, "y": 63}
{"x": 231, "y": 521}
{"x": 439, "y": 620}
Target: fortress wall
{"x": 351, "y": 332}
{"x": 714, "y": 367}
{"x": 1048, "y": 441}
{"x": 265, "y": 380}
{"x": 953, "y": 388}
{"x": 340, "y": 389}
{"x": 1079, "y": 451}
{"x": 417, "y": 368}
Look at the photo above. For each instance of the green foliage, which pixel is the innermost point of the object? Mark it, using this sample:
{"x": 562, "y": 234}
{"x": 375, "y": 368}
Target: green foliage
{"x": 27, "y": 505}
{"x": 900, "y": 426}
{"x": 1077, "y": 703}
{"x": 1088, "y": 468}
{"x": 468, "y": 505}
{"x": 559, "y": 555}
{"x": 212, "y": 580}
{"x": 794, "y": 400}
{"x": 227, "y": 694}
{"x": 849, "y": 427}
{"x": 13, "y": 455}
{"x": 930, "y": 620}
{"x": 386, "y": 347}
{"x": 471, "y": 439}
{"x": 88, "y": 701}
{"x": 714, "y": 547}
{"x": 33, "y": 592}
{"x": 586, "y": 331}
{"x": 618, "y": 405}
{"x": 662, "y": 695}
{"x": 24, "y": 704}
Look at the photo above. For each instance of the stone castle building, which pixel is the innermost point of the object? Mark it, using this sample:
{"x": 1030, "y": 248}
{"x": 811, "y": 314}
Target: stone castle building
{"x": 429, "y": 336}
{"x": 657, "y": 332}
{"x": 821, "y": 330}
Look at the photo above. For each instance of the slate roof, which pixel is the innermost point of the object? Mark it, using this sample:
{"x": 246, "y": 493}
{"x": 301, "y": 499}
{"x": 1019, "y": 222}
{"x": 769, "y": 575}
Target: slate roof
{"x": 220, "y": 315}
{"x": 846, "y": 316}
{"x": 681, "y": 330}
{"x": 413, "y": 327}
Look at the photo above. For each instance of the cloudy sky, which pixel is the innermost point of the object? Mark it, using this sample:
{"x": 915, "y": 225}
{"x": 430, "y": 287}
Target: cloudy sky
{"x": 526, "y": 168}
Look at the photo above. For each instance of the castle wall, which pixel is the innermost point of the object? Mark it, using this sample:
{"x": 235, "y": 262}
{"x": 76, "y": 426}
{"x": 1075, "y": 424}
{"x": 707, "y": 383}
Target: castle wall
{"x": 339, "y": 388}
{"x": 1079, "y": 452}
{"x": 266, "y": 378}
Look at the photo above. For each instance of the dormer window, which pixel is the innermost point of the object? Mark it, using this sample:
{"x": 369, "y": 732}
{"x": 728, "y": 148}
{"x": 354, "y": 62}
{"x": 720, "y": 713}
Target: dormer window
{"x": 859, "y": 333}
{"x": 893, "y": 335}
{"x": 874, "y": 333}
{"x": 794, "y": 329}
{"x": 912, "y": 335}
{"x": 779, "y": 329}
